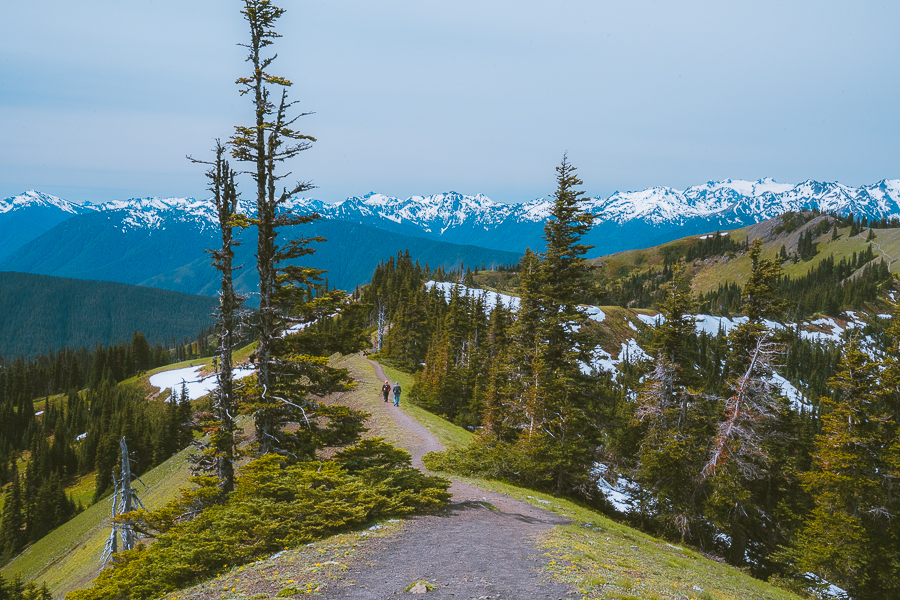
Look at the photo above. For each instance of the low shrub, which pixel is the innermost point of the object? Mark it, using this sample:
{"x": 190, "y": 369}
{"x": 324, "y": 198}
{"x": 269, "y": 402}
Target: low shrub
{"x": 274, "y": 506}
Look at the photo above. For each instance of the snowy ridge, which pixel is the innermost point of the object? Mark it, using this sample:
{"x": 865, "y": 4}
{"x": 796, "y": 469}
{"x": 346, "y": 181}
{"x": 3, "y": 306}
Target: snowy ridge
{"x": 153, "y": 213}
{"x": 735, "y": 202}
{"x": 722, "y": 203}
{"x": 731, "y": 201}
{"x": 33, "y": 198}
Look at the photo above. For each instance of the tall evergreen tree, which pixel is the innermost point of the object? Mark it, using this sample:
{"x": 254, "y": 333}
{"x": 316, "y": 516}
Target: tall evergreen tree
{"x": 557, "y": 434}
{"x": 852, "y": 537}
{"x": 287, "y": 380}
{"x": 12, "y": 522}
{"x": 218, "y": 455}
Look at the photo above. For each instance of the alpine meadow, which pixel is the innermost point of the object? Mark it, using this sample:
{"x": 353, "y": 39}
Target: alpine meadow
{"x": 275, "y": 389}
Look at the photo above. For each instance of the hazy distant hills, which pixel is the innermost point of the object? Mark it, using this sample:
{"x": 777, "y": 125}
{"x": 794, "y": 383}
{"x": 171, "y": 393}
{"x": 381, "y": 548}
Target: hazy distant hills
{"x": 41, "y": 313}
{"x": 163, "y": 245}
{"x": 161, "y": 241}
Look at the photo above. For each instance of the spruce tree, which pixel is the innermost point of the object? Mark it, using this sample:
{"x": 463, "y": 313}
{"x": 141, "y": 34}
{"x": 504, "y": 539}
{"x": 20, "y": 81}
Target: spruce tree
{"x": 287, "y": 380}
{"x": 558, "y": 436}
{"x": 12, "y": 522}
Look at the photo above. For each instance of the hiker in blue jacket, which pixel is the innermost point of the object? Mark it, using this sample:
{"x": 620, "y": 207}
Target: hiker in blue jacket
{"x": 397, "y": 391}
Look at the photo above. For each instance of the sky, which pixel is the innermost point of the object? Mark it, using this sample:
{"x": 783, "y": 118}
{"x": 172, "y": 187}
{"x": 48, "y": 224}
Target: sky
{"x": 102, "y": 100}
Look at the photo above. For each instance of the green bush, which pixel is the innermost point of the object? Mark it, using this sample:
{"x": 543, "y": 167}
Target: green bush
{"x": 273, "y": 507}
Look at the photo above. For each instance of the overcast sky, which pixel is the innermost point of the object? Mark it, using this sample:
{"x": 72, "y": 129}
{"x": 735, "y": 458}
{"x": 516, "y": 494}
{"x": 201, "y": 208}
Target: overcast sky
{"x": 102, "y": 99}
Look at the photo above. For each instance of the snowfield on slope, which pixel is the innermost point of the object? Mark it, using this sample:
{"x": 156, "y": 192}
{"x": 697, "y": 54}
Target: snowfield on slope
{"x": 825, "y": 330}
{"x": 196, "y": 384}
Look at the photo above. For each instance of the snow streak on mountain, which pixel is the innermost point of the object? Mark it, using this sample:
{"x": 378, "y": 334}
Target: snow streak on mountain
{"x": 625, "y": 220}
{"x": 35, "y": 199}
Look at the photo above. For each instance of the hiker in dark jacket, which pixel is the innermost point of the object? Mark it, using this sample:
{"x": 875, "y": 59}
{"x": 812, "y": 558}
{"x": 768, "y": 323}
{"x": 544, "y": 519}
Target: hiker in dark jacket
{"x": 386, "y": 389}
{"x": 397, "y": 391}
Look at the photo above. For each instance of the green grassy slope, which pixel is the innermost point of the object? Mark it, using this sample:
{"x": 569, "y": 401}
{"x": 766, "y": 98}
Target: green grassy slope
{"x": 707, "y": 274}
{"x": 68, "y": 557}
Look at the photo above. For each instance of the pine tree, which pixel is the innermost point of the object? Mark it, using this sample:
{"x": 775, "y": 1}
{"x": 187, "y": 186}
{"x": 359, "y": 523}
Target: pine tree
{"x": 12, "y": 522}
{"x": 557, "y": 435}
{"x": 218, "y": 455}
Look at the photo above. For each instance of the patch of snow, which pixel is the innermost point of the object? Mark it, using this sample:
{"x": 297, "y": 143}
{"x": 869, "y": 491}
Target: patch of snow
{"x": 488, "y": 298}
{"x": 630, "y": 324}
{"x": 798, "y": 400}
{"x": 620, "y": 494}
{"x": 594, "y": 313}
{"x": 821, "y": 336}
{"x": 652, "y": 320}
{"x": 884, "y": 315}
{"x": 80, "y": 437}
{"x": 711, "y": 324}
{"x": 601, "y": 360}
{"x": 632, "y": 353}
{"x": 38, "y": 413}
{"x": 197, "y": 386}
{"x": 824, "y": 589}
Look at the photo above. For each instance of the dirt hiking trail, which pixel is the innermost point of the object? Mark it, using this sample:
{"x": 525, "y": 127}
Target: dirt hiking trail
{"x": 482, "y": 547}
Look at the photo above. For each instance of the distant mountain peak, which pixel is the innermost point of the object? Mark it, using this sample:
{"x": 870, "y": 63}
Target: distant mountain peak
{"x": 34, "y": 198}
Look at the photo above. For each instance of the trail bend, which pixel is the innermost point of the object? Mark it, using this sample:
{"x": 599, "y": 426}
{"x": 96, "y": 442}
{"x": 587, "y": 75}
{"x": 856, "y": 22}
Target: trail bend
{"x": 484, "y": 546}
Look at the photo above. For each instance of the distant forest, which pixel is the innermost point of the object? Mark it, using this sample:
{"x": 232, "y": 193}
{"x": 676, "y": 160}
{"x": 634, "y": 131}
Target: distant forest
{"x": 43, "y": 314}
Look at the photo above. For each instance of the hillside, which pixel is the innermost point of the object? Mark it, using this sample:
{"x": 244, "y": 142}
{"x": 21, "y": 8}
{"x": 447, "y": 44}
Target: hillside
{"x": 548, "y": 543}
{"x": 634, "y": 277}
{"x": 68, "y": 557}
{"x": 110, "y": 246}
{"x": 41, "y": 313}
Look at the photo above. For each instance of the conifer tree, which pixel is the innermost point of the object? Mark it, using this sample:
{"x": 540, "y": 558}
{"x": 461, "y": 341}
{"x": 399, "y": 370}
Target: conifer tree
{"x": 12, "y": 522}
{"x": 218, "y": 455}
{"x": 557, "y": 435}
{"x": 677, "y": 422}
{"x": 287, "y": 379}
{"x": 741, "y": 449}
{"x": 852, "y": 538}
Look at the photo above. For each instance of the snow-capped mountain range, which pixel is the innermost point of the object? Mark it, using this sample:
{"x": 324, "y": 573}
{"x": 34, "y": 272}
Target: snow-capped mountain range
{"x": 624, "y": 220}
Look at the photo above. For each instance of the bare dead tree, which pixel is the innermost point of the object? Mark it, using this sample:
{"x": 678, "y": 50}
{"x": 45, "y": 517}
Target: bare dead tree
{"x": 124, "y": 500}
{"x": 751, "y": 406}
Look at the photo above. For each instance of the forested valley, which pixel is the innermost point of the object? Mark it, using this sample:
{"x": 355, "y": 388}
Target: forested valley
{"x": 61, "y": 418}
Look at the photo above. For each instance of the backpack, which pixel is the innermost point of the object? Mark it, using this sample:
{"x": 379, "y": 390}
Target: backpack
{"x": 397, "y": 390}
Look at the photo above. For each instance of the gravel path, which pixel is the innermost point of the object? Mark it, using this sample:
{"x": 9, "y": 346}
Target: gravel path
{"x": 482, "y": 547}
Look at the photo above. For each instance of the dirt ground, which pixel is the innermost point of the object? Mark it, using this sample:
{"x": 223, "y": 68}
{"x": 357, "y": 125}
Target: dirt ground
{"x": 482, "y": 547}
